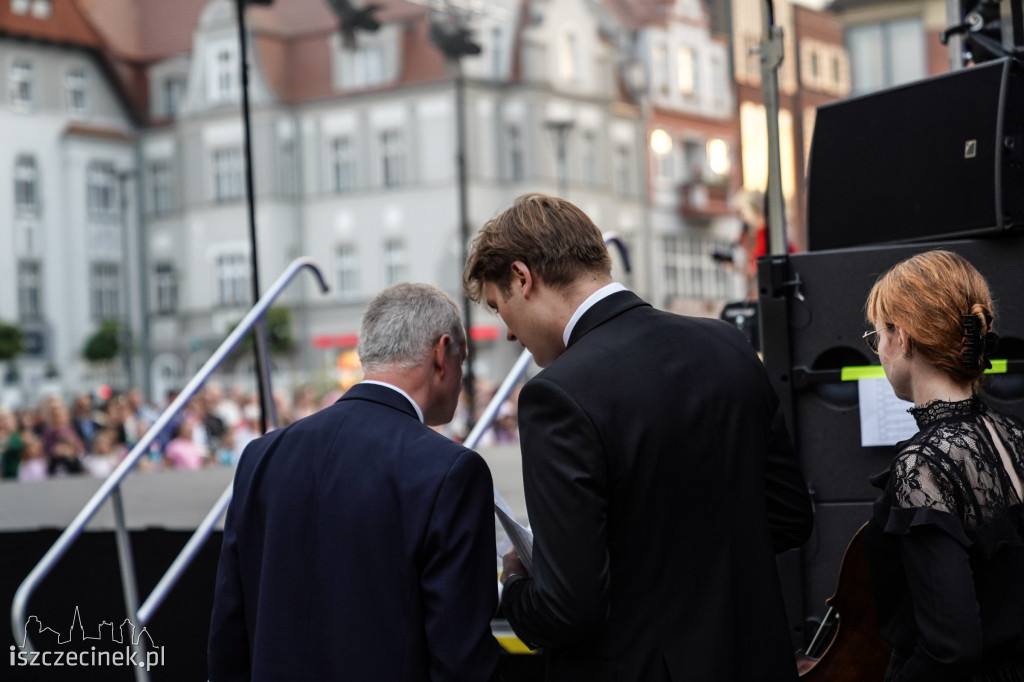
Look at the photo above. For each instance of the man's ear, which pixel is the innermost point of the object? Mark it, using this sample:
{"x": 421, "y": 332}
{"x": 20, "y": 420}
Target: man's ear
{"x": 440, "y": 351}
{"x": 522, "y": 277}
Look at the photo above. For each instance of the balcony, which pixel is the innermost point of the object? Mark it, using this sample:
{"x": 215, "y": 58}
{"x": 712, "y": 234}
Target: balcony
{"x": 702, "y": 199}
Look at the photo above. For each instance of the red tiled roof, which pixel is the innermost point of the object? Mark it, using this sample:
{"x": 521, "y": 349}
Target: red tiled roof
{"x": 65, "y": 25}
{"x": 146, "y": 30}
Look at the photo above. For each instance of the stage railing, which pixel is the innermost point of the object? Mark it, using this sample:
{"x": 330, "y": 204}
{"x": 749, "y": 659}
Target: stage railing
{"x": 111, "y": 487}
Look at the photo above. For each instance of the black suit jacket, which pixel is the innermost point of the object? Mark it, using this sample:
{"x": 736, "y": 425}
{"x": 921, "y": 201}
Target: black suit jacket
{"x": 660, "y": 482}
{"x": 359, "y": 545}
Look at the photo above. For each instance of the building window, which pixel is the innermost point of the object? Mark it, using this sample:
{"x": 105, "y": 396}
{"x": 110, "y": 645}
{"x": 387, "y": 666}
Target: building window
{"x": 30, "y": 286}
{"x": 362, "y": 67}
{"x": 659, "y": 69}
{"x": 232, "y": 272}
{"x": 101, "y": 193}
{"x": 226, "y": 74}
{"x": 396, "y": 262}
{"x": 392, "y": 153}
{"x": 161, "y": 187}
{"x": 105, "y": 291}
{"x": 343, "y": 164}
{"x": 74, "y": 84}
{"x": 694, "y": 160}
{"x": 887, "y": 54}
{"x": 621, "y": 172}
{"x": 174, "y": 95}
{"x": 690, "y": 270}
{"x": 514, "y": 140}
{"x": 41, "y": 9}
{"x": 717, "y": 84}
{"x": 165, "y": 284}
{"x": 21, "y": 85}
{"x": 662, "y": 146}
{"x": 227, "y": 174}
{"x": 26, "y": 186}
{"x": 720, "y": 157}
{"x": 686, "y": 71}
{"x": 497, "y": 54}
{"x": 568, "y": 57}
{"x": 288, "y": 169}
{"x": 589, "y": 157}
{"x": 348, "y": 271}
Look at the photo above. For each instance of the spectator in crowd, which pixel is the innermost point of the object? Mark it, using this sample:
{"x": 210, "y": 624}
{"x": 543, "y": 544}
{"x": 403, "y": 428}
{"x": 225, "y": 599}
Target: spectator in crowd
{"x": 64, "y": 449}
{"x": 183, "y": 452}
{"x": 33, "y": 459}
{"x": 106, "y": 454}
{"x": 83, "y": 420}
{"x": 305, "y": 402}
{"x": 249, "y": 428}
{"x": 11, "y": 444}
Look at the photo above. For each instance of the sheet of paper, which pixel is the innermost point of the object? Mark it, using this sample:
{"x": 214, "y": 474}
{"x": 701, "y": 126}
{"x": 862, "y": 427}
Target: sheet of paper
{"x": 883, "y": 417}
{"x": 521, "y": 537}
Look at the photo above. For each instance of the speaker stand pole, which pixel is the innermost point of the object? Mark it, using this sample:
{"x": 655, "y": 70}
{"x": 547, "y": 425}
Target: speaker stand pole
{"x": 771, "y": 51}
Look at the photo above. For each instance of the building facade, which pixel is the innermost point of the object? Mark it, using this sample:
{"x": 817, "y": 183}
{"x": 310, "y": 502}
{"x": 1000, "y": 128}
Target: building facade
{"x": 70, "y": 254}
{"x": 128, "y": 195}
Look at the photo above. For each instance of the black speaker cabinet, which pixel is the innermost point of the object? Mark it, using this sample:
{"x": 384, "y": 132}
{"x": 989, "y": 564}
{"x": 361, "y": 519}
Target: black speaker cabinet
{"x": 932, "y": 159}
{"x": 822, "y": 331}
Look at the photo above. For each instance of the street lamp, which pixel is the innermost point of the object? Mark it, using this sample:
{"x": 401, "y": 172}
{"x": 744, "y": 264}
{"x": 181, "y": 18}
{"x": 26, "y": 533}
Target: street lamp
{"x": 450, "y": 36}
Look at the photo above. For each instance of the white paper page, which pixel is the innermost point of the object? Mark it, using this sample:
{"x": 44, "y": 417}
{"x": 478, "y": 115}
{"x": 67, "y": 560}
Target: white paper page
{"x": 883, "y": 417}
{"x": 521, "y": 538}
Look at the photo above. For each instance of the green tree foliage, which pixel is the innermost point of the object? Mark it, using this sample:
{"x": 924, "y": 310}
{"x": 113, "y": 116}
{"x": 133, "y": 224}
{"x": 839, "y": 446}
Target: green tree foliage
{"x": 10, "y": 341}
{"x": 104, "y": 345}
{"x": 278, "y": 322}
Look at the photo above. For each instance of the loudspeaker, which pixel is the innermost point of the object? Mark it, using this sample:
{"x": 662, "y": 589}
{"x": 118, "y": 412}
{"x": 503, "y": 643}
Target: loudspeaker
{"x": 824, "y": 319}
{"x": 932, "y": 159}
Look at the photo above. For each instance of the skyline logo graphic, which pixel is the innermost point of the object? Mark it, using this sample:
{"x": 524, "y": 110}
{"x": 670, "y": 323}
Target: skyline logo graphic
{"x": 122, "y": 646}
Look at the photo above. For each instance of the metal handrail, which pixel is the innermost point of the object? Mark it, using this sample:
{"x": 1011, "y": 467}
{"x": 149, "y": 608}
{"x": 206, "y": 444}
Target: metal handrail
{"x": 112, "y": 484}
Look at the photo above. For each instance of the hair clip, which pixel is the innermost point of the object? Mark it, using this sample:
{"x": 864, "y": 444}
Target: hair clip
{"x": 977, "y": 347}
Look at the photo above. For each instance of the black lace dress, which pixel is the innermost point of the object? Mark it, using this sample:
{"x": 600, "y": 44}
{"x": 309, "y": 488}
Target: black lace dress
{"x": 946, "y": 549}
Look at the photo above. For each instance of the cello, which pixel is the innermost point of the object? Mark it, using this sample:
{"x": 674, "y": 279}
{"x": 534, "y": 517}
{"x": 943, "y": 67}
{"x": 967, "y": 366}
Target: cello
{"x": 852, "y": 650}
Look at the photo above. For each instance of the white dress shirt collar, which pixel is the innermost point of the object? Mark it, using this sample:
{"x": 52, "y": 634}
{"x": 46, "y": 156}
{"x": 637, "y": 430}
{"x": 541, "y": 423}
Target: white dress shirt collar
{"x": 604, "y": 292}
{"x": 419, "y": 412}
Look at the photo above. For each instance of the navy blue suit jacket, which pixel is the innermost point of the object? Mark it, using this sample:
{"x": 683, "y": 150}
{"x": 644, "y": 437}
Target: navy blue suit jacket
{"x": 359, "y": 545}
{"x": 660, "y": 482}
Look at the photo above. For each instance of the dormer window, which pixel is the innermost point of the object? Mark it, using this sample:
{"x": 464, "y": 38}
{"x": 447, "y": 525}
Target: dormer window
{"x": 222, "y": 77}
{"x": 41, "y": 9}
{"x": 373, "y": 62}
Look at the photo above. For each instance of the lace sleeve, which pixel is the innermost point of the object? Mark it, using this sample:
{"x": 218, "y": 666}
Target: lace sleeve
{"x": 920, "y": 480}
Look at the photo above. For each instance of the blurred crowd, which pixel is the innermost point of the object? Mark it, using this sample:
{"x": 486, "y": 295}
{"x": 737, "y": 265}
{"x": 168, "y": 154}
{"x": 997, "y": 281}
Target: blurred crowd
{"x": 89, "y": 437}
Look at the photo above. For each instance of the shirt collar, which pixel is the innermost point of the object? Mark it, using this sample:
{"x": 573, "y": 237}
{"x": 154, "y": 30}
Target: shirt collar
{"x": 604, "y": 292}
{"x": 419, "y": 412}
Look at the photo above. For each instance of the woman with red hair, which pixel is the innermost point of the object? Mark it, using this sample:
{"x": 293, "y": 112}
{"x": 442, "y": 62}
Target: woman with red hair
{"x": 946, "y": 539}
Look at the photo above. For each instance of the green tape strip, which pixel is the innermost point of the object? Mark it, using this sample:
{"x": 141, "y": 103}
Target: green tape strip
{"x": 876, "y": 371}
{"x": 863, "y": 372}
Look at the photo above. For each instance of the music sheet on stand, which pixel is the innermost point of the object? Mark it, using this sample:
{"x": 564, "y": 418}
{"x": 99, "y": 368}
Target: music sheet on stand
{"x": 520, "y": 537}
{"x": 884, "y": 419}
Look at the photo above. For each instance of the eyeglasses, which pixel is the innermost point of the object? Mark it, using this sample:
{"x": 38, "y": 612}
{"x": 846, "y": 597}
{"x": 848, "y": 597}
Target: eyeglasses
{"x": 871, "y": 338}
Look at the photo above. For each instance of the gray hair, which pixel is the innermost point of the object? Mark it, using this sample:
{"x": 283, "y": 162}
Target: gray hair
{"x": 402, "y": 324}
